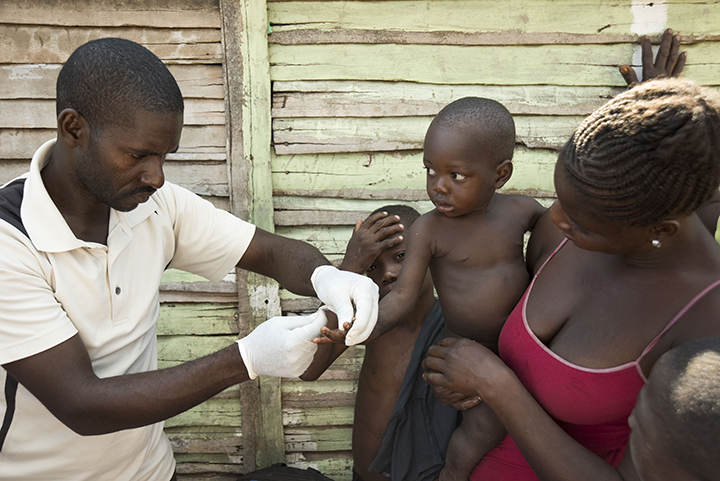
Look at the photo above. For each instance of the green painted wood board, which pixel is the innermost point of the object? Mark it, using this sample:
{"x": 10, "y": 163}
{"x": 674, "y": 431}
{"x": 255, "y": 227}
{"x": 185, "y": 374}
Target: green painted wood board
{"x": 355, "y": 175}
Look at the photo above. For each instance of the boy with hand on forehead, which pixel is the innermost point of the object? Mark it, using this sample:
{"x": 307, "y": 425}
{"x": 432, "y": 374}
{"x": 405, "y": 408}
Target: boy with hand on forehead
{"x": 473, "y": 244}
{"x": 388, "y": 394}
{"x": 676, "y": 420}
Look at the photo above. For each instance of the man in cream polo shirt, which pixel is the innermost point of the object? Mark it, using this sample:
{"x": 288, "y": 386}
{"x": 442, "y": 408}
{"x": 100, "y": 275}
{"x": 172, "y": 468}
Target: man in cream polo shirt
{"x": 85, "y": 236}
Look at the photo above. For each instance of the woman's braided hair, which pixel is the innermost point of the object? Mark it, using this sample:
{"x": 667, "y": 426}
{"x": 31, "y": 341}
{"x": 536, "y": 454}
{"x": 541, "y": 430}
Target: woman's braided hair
{"x": 651, "y": 153}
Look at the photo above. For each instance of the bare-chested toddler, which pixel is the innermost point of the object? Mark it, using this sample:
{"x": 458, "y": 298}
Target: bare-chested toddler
{"x": 473, "y": 244}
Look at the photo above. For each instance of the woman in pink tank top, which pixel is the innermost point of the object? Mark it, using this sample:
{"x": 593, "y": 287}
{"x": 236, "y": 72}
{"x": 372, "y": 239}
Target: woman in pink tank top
{"x": 637, "y": 277}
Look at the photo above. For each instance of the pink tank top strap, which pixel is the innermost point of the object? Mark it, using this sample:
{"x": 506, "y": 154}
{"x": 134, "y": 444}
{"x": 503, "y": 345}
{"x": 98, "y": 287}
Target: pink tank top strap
{"x": 550, "y": 257}
{"x": 682, "y": 311}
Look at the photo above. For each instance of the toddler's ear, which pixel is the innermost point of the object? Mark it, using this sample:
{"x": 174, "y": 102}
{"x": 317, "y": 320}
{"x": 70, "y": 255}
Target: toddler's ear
{"x": 503, "y": 172}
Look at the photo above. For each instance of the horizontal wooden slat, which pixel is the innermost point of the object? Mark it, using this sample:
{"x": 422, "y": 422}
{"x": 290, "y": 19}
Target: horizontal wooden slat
{"x": 22, "y": 143}
{"x": 303, "y": 36}
{"x": 402, "y": 99}
{"x": 322, "y": 135}
{"x": 109, "y": 13}
{"x": 448, "y": 64}
{"x": 41, "y": 44}
{"x": 315, "y": 217}
{"x": 23, "y": 114}
{"x": 205, "y": 439}
{"x": 332, "y": 439}
{"x": 197, "y": 319}
{"x": 571, "y": 65}
{"x": 291, "y": 203}
{"x": 397, "y": 176}
{"x": 37, "y": 81}
{"x": 520, "y": 20}
{"x": 299, "y": 394}
{"x": 452, "y": 15}
{"x": 329, "y": 239}
{"x": 173, "y": 349}
{"x": 219, "y": 412}
{"x": 208, "y": 179}
{"x": 312, "y": 416}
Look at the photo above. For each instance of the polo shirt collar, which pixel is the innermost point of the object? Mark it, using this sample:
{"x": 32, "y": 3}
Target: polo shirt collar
{"x": 45, "y": 224}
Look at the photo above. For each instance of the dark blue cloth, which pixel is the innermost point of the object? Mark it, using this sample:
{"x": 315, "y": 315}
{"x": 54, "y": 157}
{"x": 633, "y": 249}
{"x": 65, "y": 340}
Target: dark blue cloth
{"x": 419, "y": 430}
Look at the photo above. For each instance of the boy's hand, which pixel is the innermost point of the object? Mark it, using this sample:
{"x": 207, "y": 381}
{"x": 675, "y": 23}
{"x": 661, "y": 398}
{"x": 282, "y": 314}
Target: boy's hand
{"x": 330, "y": 334}
{"x": 369, "y": 239}
{"x": 352, "y": 297}
{"x": 668, "y": 63}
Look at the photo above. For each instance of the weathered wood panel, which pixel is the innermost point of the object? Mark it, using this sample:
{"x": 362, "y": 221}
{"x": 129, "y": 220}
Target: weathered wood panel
{"x": 216, "y": 411}
{"x": 314, "y": 439}
{"x": 489, "y": 65}
{"x": 177, "y": 349}
{"x": 455, "y": 16}
{"x": 34, "y": 45}
{"x": 299, "y": 394}
{"x": 111, "y": 13}
{"x": 22, "y": 143}
{"x": 28, "y": 113}
{"x": 546, "y": 21}
{"x": 318, "y": 135}
{"x": 197, "y": 319}
{"x": 404, "y": 99}
{"x": 308, "y": 417}
{"x": 449, "y": 64}
{"x": 392, "y": 176}
{"x": 37, "y": 81}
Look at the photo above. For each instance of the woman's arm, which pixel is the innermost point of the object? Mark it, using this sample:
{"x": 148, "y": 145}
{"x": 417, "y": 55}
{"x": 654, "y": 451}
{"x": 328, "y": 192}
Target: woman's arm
{"x": 468, "y": 367}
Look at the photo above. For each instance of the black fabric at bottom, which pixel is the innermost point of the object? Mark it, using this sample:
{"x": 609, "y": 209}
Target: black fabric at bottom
{"x": 420, "y": 428}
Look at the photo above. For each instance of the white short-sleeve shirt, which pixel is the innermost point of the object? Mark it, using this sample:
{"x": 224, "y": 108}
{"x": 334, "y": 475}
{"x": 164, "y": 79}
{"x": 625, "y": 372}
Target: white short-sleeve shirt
{"x": 55, "y": 285}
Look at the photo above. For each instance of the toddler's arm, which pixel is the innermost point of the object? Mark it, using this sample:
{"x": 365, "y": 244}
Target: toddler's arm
{"x": 395, "y": 306}
{"x": 369, "y": 239}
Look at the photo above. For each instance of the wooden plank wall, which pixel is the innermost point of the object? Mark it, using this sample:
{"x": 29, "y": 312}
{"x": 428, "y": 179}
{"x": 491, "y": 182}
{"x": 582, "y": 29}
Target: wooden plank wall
{"x": 355, "y": 85}
{"x": 197, "y": 317}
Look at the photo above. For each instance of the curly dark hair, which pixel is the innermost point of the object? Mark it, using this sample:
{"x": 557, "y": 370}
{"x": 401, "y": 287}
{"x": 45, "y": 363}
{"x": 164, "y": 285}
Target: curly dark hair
{"x": 478, "y": 114}
{"x": 108, "y": 80}
{"x": 649, "y": 154}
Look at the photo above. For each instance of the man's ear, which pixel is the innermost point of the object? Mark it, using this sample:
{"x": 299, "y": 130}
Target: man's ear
{"x": 73, "y": 129}
{"x": 503, "y": 172}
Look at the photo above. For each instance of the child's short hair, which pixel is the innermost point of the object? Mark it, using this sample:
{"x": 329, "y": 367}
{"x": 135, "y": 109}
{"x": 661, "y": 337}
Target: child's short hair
{"x": 482, "y": 115}
{"x": 648, "y": 154}
{"x": 689, "y": 405}
{"x": 109, "y": 79}
{"x": 407, "y": 214}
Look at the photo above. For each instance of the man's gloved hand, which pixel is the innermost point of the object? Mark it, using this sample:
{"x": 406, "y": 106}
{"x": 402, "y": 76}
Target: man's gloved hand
{"x": 282, "y": 346}
{"x": 340, "y": 290}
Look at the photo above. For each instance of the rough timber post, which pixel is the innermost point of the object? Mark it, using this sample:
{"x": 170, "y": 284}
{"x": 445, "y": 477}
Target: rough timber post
{"x": 247, "y": 107}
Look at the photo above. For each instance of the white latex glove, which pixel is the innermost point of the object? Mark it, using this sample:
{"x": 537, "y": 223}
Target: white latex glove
{"x": 340, "y": 290}
{"x": 282, "y": 346}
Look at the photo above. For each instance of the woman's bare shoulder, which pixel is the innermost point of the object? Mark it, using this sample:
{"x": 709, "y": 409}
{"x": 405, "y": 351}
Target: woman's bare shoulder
{"x": 544, "y": 239}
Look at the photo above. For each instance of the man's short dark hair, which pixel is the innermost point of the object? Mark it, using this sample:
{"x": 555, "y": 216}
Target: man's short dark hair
{"x": 108, "y": 80}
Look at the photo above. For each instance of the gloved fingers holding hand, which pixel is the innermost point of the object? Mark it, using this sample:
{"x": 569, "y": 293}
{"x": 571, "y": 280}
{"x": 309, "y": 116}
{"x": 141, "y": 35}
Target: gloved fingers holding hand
{"x": 282, "y": 346}
{"x": 354, "y": 298}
